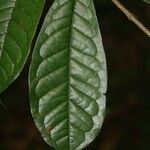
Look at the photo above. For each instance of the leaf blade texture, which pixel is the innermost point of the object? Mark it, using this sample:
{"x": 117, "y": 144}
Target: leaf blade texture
{"x": 18, "y": 21}
{"x": 147, "y": 1}
{"x": 68, "y": 76}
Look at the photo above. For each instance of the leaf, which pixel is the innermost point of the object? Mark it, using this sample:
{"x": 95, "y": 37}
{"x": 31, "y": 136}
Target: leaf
{"x": 147, "y": 1}
{"x": 18, "y": 21}
{"x": 68, "y": 76}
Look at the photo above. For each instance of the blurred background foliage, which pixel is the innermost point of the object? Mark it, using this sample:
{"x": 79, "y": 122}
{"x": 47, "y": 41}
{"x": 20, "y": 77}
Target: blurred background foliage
{"x": 127, "y": 122}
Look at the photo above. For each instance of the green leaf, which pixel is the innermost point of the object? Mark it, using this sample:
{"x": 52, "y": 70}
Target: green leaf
{"x": 68, "y": 76}
{"x": 147, "y": 1}
{"x": 18, "y": 21}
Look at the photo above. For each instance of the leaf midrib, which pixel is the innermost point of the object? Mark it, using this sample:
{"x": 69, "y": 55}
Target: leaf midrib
{"x": 69, "y": 70}
{"x": 9, "y": 20}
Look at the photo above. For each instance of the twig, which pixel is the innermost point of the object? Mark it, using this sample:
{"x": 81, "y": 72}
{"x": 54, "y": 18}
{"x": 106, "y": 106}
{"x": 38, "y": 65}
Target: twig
{"x": 131, "y": 17}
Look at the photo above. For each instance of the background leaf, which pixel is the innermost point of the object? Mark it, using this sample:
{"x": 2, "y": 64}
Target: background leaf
{"x": 68, "y": 76}
{"x": 148, "y": 1}
{"x": 18, "y": 21}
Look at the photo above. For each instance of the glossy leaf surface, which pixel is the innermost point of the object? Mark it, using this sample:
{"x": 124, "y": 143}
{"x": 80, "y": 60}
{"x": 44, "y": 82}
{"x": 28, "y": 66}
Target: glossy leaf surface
{"x": 148, "y": 1}
{"x": 68, "y": 76}
{"x": 18, "y": 21}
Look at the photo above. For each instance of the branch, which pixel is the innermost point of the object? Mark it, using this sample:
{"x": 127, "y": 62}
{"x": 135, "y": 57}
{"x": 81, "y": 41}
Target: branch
{"x": 131, "y": 17}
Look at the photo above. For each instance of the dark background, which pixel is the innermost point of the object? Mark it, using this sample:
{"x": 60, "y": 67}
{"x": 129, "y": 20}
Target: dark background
{"x": 127, "y": 122}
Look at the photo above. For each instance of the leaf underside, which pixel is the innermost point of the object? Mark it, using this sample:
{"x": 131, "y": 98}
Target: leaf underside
{"x": 18, "y": 21}
{"x": 68, "y": 76}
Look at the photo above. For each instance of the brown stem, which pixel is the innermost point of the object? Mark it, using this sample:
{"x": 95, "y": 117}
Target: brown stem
{"x": 131, "y": 17}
